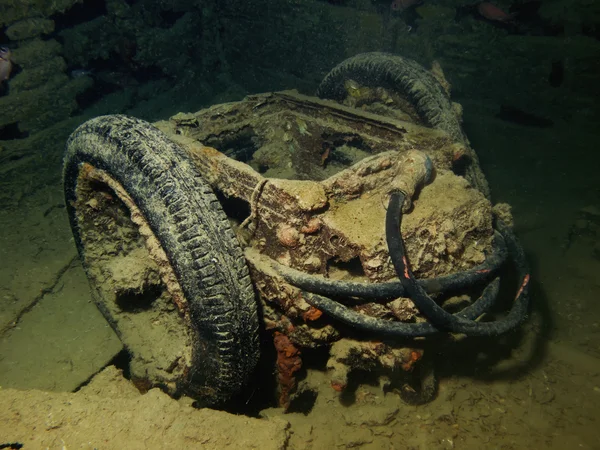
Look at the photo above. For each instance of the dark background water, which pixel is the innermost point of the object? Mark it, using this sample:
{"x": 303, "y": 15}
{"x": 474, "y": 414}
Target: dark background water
{"x": 529, "y": 88}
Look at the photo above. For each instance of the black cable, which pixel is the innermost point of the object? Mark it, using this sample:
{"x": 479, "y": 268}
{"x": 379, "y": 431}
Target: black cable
{"x": 408, "y": 330}
{"x": 433, "y": 312}
{"x": 393, "y": 328}
{"x": 386, "y": 291}
{"x": 440, "y": 318}
{"x": 505, "y": 242}
{"x": 460, "y": 322}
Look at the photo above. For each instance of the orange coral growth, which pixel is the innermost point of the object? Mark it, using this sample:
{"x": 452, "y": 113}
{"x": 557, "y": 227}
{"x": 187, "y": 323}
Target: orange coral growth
{"x": 312, "y": 314}
{"x": 414, "y": 357}
{"x": 337, "y": 386}
{"x": 312, "y": 226}
{"x": 326, "y": 153}
{"x": 288, "y": 363}
{"x": 458, "y": 154}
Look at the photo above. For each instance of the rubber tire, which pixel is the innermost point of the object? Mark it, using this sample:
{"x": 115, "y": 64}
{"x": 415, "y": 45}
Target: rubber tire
{"x": 413, "y": 82}
{"x": 403, "y": 75}
{"x": 186, "y": 217}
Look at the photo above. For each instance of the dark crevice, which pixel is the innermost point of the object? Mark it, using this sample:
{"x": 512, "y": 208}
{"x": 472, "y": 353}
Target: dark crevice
{"x": 3, "y": 37}
{"x": 79, "y": 13}
{"x": 591, "y": 30}
{"x": 134, "y": 300}
{"x": 260, "y": 390}
{"x": 11, "y": 131}
{"x": 239, "y": 145}
{"x": 235, "y": 208}
{"x": 352, "y": 267}
{"x": 557, "y": 74}
{"x": 168, "y": 18}
{"x": 303, "y": 402}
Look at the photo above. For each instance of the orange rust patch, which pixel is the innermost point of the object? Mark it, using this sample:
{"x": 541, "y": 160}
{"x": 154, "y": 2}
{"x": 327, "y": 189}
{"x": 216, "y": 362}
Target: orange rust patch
{"x": 312, "y": 226}
{"x": 288, "y": 363}
{"x": 312, "y": 314}
{"x": 414, "y": 357}
{"x": 339, "y": 387}
{"x": 458, "y": 154}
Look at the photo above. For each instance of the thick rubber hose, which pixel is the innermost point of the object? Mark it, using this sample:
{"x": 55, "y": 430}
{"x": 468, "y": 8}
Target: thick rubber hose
{"x": 440, "y": 318}
{"x": 418, "y": 86}
{"x": 386, "y": 291}
{"x": 437, "y": 315}
{"x": 381, "y": 327}
{"x": 186, "y": 218}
